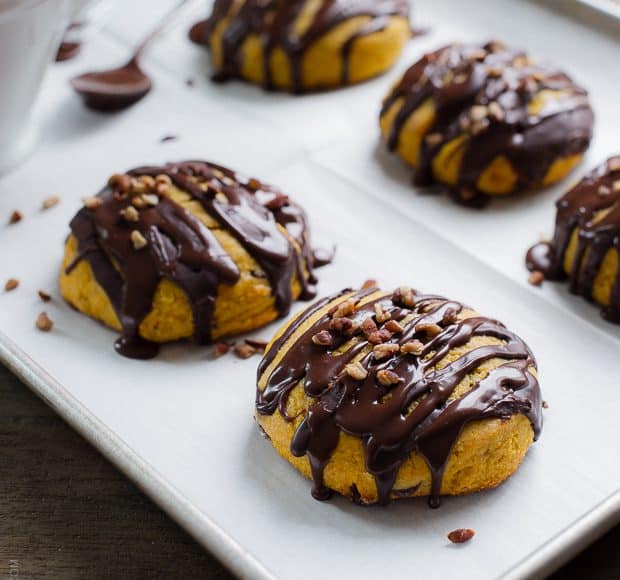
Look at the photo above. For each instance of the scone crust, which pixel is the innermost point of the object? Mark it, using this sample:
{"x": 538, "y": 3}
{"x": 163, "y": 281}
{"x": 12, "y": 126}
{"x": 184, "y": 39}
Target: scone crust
{"x": 488, "y": 450}
{"x": 585, "y": 248}
{"x": 486, "y": 121}
{"x": 206, "y": 262}
{"x": 308, "y": 46}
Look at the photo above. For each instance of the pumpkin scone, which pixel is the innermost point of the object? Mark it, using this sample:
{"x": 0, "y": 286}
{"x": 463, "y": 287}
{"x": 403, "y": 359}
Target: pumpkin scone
{"x": 485, "y": 121}
{"x": 306, "y": 45}
{"x": 586, "y": 244}
{"x": 186, "y": 250}
{"x": 379, "y": 396}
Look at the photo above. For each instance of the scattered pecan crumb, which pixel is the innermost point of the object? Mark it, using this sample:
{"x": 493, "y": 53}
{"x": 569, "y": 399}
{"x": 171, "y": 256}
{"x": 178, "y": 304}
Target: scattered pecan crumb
{"x": 50, "y": 202}
{"x": 221, "y": 197}
{"x": 16, "y": 216}
{"x": 221, "y": 348}
{"x": 11, "y": 284}
{"x": 387, "y": 378}
{"x": 394, "y": 327}
{"x": 604, "y": 190}
{"x": 162, "y": 178}
{"x": 461, "y": 535}
{"x": 190, "y": 82}
{"x": 430, "y": 329}
{"x": 323, "y": 338}
{"x": 257, "y": 343}
{"x": 536, "y": 278}
{"x": 412, "y": 347}
{"x": 162, "y": 188}
{"x": 381, "y": 351}
{"x": 44, "y": 296}
{"x": 616, "y": 185}
{"x": 168, "y": 138}
{"x": 495, "y": 111}
{"x": 44, "y": 322}
{"x": 370, "y": 283}
{"x": 356, "y": 371}
{"x": 130, "y": 213}
{"x": 545, "y": 405}
{"x": 138, "y": 240}
{"x": 450, "y": 317}
{"x": 92, "y": 202}
{"x": 244, "y": 350}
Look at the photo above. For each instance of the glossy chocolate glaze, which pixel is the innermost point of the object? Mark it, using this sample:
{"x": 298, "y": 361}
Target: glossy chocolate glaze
{"x": 592, "y": 209}
{"x": 417, "y": 414}
{"x": 463, "y": 81}
{"x": 180, "y": 248}
{"x": 274, "y": 22}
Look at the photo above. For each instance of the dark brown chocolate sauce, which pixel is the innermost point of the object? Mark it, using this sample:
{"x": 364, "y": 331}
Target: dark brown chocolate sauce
{"x": 592, "y": 209}
{"x": 417, "y": 413}
{"x": 463, "y": 80}
{"x": 198, "y": 33}
{"x": 182, "y": 249}
{"x": 274, "y": 22}
{"x": 68, "y": 50}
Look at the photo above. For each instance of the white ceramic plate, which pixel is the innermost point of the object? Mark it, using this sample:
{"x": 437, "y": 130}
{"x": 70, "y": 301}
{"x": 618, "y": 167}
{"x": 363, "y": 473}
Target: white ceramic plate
{"x": 181, "y": 426}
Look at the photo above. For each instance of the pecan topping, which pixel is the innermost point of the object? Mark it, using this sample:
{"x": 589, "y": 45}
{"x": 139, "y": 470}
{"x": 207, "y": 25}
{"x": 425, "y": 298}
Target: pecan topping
{"x": 394, "y": 327}
{"x": 387, "y": 378}
{"x": 356, "y": 371}
{"x": 382, "y": 351}
{"x": 130, "y": 214}
{"x": 345, "y": 309}
{"x": 379, "y": 336}
{"x": 120, "y": 182}
{"x": 92, "y": 202}
{"x": 138, "y": 240}
{"x": 221, "y": 348}
{"x": 323, "y": 338}
{"x": 413, "y": 347}
{"x": 404, "y": 296}
{"x": 44, "y": 296}
{"x": 380, "y": 314}
{"x": 244, "y": 350}
{"x": 370, "y": 283}
{"x": 429, "y": 329}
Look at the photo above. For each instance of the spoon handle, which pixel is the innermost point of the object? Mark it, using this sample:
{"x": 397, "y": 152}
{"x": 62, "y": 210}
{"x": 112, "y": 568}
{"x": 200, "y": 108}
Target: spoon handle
{"x": 163, "y": 22}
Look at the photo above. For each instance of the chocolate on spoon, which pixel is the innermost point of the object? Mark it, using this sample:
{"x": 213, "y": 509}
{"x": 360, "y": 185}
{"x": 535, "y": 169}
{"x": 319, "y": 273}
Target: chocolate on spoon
{"x": 119, "y": 88}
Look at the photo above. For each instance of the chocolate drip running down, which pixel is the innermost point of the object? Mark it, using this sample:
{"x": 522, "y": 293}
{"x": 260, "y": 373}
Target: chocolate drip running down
{"x": 592, "y": 209}
{"x": 483, "y": 93}
{"x": 274, "y": 22}
{"x": 416, "y": 410}
{"x": 129, "y": 257}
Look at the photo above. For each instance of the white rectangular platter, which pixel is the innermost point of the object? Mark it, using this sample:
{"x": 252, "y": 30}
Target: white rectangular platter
{"x": 181, "y": 425}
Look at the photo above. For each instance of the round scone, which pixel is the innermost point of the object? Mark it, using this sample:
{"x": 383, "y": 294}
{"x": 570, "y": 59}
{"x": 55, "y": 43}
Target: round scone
{"x": 306, "y": 45}
{"x": 380, "y": 396}
{"x": 187, "y": 250}
{"x": 486, "y": 121}
{"x": 586, "y": 243}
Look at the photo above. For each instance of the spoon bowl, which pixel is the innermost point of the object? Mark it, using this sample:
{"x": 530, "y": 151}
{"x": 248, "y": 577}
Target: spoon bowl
{"x": 112, "y": 90}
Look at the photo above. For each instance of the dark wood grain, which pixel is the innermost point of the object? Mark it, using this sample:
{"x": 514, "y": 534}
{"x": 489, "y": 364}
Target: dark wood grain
{"x": 66, "y": 512}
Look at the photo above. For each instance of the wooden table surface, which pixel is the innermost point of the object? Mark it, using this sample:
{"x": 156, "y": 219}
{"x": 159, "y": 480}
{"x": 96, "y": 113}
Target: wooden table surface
{"x": 66, "y": 512}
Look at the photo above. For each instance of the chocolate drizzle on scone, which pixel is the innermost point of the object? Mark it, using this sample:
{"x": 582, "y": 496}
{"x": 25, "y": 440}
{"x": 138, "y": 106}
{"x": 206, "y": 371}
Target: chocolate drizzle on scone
{"x": 133, "y": 235}
{"x": 592, "y": 209}
{"x": 382, "y": 369}
{"x": 274, "y": 22}
{"x": 483, "y": 93}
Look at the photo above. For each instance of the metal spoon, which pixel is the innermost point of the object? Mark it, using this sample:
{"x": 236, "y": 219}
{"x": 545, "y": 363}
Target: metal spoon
{"x": 119, "y": 88}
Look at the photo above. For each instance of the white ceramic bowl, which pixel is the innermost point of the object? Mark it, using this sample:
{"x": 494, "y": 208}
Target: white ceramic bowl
{"x": 30, "y": 32}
